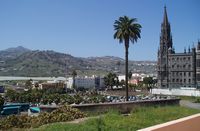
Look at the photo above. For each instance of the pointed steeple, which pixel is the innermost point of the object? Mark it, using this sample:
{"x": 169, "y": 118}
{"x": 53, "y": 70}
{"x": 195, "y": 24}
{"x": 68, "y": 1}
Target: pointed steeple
{"x": 166, "y": 37}
{"x": 165, "y": 19}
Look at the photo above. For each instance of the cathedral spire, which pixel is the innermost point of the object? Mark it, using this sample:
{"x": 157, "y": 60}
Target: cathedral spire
{"x": 165, "y": 19}
{"x": 166, "y": 37}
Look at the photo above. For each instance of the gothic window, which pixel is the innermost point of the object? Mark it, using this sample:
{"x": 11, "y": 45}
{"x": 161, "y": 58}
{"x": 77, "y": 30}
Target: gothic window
{"x": 180, "y": 74}
{"x": 189, "y": 74}
{"x": 198, "y": 77}
{"x": 198, "y": 62}
{"x": 184, "y": 74}
{"x": 189, "y": 66}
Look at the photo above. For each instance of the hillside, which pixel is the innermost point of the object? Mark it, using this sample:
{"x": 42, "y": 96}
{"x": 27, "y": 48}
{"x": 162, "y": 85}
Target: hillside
{"x": 24, "y": 62}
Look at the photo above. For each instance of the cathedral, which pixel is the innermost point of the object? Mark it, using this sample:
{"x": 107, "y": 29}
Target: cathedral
{"x": 176, "y": 70}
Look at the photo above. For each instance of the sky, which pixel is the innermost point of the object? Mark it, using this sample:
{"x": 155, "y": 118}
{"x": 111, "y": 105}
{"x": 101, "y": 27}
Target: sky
{"x": 84, "y": 28}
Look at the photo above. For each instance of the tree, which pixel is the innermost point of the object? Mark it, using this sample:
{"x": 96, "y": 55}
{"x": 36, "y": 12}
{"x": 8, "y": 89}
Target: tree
{"x": 111, "y": 80}
{"x": 129, "y": 75}
{"x": 11, "y": 95}
{"x": 127, "y": 30}
{"x": 74, "y": 74}
{"x": 28, "y": 84}
{"x": 132, "y": 86}
{"x": 148, "y": 81}
{"x": 1, "y": 101}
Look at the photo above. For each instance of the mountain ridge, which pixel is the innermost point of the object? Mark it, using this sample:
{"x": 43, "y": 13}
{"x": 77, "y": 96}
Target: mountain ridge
{"x": 26, "y": 62}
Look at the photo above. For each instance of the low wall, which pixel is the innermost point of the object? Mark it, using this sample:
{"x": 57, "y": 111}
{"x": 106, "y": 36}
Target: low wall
{"x": 123, "y": 107}
{"x": 177, "y": 92}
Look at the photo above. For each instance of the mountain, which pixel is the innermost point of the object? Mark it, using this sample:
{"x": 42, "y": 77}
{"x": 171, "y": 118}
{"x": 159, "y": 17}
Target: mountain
{"x": 20, "y": 61}
{"x": 12, "y": 52}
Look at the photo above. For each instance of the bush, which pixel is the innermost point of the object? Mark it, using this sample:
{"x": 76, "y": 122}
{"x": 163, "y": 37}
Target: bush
{"x": 61, "y": 114}
{"x": 15, "y": 121}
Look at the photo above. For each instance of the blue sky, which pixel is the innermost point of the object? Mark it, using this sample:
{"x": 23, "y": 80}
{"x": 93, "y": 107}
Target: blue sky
{"x": 84, "y": 28}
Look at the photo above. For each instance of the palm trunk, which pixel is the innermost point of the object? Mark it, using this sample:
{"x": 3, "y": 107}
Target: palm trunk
{"x": 126, "y": 67}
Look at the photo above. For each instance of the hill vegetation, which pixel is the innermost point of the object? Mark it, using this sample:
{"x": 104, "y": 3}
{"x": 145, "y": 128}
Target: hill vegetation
{"x": 20, "y": 61}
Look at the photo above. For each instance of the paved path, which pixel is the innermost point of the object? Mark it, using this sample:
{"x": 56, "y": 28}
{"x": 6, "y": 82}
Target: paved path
{"x": 190, "y": 104}
{"x": 189, "y": 123}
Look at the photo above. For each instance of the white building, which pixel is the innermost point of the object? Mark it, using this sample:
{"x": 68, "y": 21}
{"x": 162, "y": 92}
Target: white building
{"x": 121, "y": 77}
{"x": 86, "y": 82}
{"x": 82, "y": 82}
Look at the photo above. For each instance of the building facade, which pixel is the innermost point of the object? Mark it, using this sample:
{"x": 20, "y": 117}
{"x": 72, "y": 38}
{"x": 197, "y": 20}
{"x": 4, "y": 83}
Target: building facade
{"x": 86, "y": 82}
{"x": 176, "y": 70}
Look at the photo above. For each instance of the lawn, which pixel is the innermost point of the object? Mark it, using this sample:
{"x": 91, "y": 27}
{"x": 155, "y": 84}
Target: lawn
{"x": 190, "y": 98}
{"x": 113, "y": 121}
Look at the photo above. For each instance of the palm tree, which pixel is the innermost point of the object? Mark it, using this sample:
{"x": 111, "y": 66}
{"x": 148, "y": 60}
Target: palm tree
{"x": 127, "y": 30}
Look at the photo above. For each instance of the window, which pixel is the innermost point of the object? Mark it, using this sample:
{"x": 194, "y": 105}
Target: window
{"x": 198, "y": 77}
{"x": 184, "y": 74}
{"x": 189, "y": 80}
{"x": 184, "y": 80}
{"x": 183, "y": 66}
{"x": 180, "y": 74}
{"x": 188, "y": 58}
{"x": 189, "y": 74}
{"x": 198, "y": 62}
{"x": 177, "y": 80}
{"x": 189, "y": 66}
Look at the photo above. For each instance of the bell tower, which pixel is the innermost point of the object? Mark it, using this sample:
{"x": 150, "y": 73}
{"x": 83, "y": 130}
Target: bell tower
{"x": 165, "y": 45}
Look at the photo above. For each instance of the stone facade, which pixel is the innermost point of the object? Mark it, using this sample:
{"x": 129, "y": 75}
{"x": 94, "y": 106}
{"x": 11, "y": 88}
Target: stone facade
{"x": 176, "y": 70}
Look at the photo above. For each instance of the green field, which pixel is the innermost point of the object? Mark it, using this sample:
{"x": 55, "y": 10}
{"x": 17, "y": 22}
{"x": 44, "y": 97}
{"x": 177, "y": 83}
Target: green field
{"x": 113, "y": 121}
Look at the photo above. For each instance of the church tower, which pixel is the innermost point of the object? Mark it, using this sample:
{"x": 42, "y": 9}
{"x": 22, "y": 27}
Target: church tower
{"x": 164, "y": 50}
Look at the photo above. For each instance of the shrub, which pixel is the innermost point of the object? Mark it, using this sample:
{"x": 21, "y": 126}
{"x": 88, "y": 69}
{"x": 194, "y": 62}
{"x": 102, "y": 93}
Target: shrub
{"x": 61, "y": 114}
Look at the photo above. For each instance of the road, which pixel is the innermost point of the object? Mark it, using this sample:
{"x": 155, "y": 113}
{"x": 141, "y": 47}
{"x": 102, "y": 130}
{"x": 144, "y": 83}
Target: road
{"x": 189, "y": 104}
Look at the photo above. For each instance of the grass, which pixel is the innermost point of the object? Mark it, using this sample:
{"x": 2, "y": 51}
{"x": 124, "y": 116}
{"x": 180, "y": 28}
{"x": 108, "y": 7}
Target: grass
{"x": 113, "y": 121}
{"x": 190, "y": 98}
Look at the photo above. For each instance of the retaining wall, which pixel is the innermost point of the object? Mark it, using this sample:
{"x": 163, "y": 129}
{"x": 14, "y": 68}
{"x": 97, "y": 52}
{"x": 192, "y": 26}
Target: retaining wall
{"x": 123, "y": 107}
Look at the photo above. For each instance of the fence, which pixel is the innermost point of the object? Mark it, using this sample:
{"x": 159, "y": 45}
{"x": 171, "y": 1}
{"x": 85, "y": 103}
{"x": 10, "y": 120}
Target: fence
{"x": 177, "y": 92}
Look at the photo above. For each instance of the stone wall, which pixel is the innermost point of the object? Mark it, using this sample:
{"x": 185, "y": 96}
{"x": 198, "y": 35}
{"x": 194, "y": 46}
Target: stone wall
{"x": 123, "y": 107}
